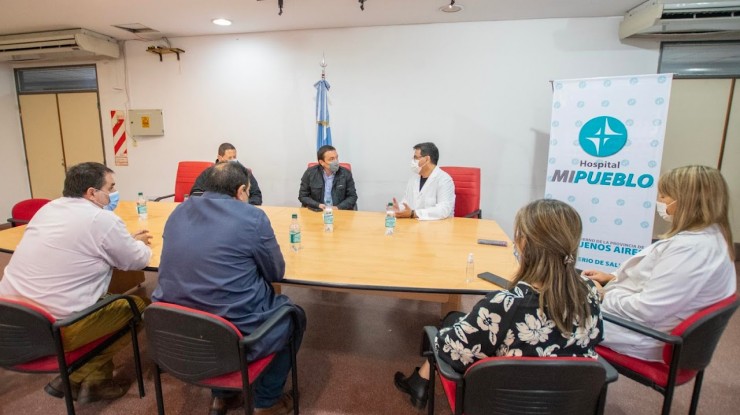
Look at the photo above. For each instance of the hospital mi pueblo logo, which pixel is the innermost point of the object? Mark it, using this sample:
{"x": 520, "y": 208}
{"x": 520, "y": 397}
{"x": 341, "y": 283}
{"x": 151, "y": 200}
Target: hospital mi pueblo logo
{"x": 602, "y": 137}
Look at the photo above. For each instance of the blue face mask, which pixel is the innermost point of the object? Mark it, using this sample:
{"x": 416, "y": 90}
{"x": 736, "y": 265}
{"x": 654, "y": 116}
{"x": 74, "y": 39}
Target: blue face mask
{"x": 114, "y": 198}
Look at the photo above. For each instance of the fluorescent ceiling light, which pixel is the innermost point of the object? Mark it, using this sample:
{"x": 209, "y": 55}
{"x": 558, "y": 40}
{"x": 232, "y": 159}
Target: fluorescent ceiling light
{"x": 221, "y": 22}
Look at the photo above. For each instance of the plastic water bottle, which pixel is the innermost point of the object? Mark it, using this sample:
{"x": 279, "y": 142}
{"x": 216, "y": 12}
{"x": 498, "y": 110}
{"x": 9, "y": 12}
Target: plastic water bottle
{"x": 470, "y": 269}
{"x": 141, "y": 207}
{"x": 295, "y": 233}
{"x": 328, "y": 217}
{"x": 390, "y": 220}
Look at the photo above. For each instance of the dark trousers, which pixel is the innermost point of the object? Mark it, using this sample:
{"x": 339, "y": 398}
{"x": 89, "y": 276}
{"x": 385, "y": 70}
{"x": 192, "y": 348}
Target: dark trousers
{"x": 269, "y": 387}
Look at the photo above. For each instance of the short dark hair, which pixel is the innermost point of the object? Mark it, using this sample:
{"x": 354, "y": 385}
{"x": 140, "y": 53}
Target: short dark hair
{"x": 428, "y": 149}
{"x": 225, "y": 146}
{"x": 226, "y": 178}
{"x": 83, "y": 176}
{"x": 323, "y": 150}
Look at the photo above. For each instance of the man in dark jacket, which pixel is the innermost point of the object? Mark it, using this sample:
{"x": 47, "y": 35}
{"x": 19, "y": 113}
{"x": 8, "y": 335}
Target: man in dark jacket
{"x": 227, "y": 152}
{"x": 220, "y": 255}
{"x": 327, "y": 181}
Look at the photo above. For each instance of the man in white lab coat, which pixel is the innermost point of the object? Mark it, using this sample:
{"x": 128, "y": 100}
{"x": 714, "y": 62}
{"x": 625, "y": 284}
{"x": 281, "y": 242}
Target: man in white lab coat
{"x": 430, "y": 192}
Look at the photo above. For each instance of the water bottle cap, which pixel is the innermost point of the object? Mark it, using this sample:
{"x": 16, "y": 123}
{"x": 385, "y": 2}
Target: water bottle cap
{"x": 141, "y": 193}
{"x": 294, "y": 216}
{"x": 390, "y": 204}
{"x": 470, "y": 257}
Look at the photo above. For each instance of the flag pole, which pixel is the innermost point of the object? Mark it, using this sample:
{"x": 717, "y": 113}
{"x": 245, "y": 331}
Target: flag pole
{"x": 323, "y": 66}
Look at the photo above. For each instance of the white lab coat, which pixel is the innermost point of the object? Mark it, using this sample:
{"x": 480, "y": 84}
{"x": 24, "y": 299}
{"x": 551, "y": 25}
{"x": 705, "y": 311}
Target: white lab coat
{"x": 436, "y": 200}
{"x": 663, "y": 285}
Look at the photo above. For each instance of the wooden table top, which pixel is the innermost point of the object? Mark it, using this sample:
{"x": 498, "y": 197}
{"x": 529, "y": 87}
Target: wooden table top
{"x": 422, "y": 256}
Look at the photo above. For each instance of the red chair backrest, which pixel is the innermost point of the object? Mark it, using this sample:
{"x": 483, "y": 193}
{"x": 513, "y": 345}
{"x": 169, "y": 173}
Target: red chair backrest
{"x": 24, "y": 210}
{"x": 347, "y": 166}
{"x": 187, "y": 172}
{"x": 701, "y": 333}
{"x": 467, "y": 188}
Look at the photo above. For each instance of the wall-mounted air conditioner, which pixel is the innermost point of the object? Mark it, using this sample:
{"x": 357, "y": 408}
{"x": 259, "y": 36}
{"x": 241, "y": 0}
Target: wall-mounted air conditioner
{"x": 58, "y": 44}
{"x": 682, "y": 20}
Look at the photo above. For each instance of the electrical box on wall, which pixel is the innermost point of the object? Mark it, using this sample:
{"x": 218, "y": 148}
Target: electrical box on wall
{"x": 145, "y": 122}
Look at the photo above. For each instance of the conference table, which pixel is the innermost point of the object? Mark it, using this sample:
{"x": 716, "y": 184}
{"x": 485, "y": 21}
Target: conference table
{"x": 423, "y": 260}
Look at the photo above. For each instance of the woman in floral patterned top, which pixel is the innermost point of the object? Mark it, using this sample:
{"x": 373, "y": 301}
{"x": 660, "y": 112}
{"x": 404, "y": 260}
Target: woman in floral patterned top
{"x": 548, "y": 311}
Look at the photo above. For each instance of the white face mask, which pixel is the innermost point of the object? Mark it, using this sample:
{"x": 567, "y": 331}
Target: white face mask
{"x": 662, "y": 208}
{"x": 415, "y": 167}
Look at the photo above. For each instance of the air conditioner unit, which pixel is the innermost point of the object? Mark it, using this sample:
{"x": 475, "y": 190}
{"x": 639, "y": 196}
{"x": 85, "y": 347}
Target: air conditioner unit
{"x": 58, "y": 44}
{"x": 681, "y": 20}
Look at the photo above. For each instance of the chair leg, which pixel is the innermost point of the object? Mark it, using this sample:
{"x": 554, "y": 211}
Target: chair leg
{"x": 601, "y": 404}
{"x": 158, "y": 389}
{"x": 137, "y": 357}
{"x": 68, "y": 393}
{"x": 667, "y": 400}
{"x": 294, "y": 374}
{"x": 697, "y": 391}
{"x": 430, "y": 388}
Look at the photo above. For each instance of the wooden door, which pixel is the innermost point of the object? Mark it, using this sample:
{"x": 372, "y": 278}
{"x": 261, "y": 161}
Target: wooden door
{"x": 43, "y": 141}
{"x": 59, "y": 130}
{"x": 731, "y": 162}
{"x": 79, "y": 119}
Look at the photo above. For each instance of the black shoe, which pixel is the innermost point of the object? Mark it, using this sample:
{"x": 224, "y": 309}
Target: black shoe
{"x": 55, "y": 388}
{"x": 219, "y": 405}
{"x": 415, "y": 386}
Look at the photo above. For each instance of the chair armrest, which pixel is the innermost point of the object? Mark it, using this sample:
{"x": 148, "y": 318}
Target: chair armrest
{"x": 75, "y": 317}
{"x": 442, "y": 367}
{"x": 16, "y": 222}
{"x": 475, "y": 214}
{"x": 639, "y": 328}
{"x": 611, "y": 373}
{"x": 286, "y": 311}
{"x": 157, "y": 199}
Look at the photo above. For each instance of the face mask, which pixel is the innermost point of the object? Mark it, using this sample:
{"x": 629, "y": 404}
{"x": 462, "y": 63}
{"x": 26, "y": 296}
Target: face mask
{"x": 334, "y": 166}
{"x": 662, "y": 208}
{"x": 415, "y": 167}
{"x": 113, "y": 203}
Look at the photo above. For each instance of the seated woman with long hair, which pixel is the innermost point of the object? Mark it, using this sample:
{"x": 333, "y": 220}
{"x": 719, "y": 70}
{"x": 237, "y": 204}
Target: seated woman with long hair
{"x": 548, "y": 310}
{"x": 686, "y": 271}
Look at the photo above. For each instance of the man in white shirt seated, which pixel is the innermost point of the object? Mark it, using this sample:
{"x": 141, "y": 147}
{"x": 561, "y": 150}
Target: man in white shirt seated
{"x": 430, "y": 192}
{"x": 64, "y": 264}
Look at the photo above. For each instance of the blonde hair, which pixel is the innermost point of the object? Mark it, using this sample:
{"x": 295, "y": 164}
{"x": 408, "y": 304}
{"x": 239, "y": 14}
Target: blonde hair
{"x": 702, "y": 199}
{"x": 549, "y": 232}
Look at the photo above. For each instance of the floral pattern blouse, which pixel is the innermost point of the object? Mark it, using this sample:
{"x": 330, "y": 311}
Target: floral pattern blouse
{"x": 510, "y": 323}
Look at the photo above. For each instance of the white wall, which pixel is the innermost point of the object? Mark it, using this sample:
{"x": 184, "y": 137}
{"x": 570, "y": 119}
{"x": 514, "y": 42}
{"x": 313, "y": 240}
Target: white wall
{"x": 13, "y": 172}
{"x": 480, "y": 91}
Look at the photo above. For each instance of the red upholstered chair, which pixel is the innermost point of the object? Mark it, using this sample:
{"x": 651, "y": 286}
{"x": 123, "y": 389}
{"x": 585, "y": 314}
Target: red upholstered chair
{"x": 31, "y": 341}
{"x": 518, "y": 385}
{"x": 24, "y": 210}
{"x": 347, "y": 166}
{"x": 187, "y": 172}
{"x": 467, "y": 191}
{"x": 688, "y": 351}
{"x": 205, "y": 350}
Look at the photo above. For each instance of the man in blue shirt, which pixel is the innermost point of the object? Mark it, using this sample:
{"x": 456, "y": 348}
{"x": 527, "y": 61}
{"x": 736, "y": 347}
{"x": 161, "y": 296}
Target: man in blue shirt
{"x": 327, "y": 181}
{"x": 220, "y": 255}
